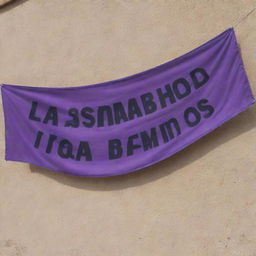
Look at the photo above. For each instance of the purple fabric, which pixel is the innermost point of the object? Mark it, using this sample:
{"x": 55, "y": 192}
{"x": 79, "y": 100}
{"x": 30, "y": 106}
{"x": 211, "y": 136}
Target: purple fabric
{"x": 123, "y": 125}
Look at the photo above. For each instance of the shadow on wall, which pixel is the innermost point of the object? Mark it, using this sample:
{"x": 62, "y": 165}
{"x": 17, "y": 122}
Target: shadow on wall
{"x": 7, "y": 5}
{"x": 244, "y": 122}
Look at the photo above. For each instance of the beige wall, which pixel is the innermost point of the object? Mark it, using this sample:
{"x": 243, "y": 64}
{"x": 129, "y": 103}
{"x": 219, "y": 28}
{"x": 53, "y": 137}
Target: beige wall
{"x": 202, "y": 201}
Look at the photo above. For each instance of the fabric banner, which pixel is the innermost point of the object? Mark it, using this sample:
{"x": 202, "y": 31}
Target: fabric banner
{"x": 123, "y": 125}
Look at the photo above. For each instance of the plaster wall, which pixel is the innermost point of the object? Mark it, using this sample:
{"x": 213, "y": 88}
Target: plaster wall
{"x": 201, "y": 201}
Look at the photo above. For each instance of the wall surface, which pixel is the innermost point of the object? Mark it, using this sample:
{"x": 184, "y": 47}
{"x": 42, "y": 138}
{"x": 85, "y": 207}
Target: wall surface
{"x": 201, "y": 201}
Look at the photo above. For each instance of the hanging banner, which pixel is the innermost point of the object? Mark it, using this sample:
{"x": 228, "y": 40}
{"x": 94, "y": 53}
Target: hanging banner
{"x": 123, "y": 125}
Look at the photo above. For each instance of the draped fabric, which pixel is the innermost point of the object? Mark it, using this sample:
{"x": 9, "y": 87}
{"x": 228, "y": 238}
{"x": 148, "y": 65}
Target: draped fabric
{"x": 124, "y": 125}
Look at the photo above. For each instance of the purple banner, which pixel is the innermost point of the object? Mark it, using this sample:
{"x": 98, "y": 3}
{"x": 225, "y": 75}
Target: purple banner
{"x": 123, "y": 125}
